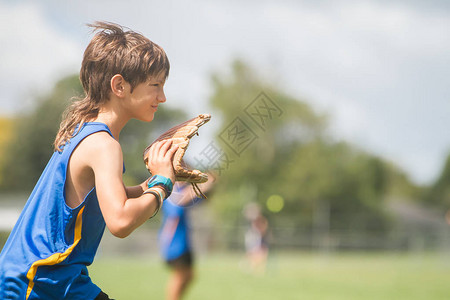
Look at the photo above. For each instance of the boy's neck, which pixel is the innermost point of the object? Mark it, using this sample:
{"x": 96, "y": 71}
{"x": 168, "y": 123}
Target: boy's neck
{"x": 113, "y": 117}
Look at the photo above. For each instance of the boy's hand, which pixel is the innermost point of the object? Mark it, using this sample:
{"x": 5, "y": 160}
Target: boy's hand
{"x": 160, "y": 158}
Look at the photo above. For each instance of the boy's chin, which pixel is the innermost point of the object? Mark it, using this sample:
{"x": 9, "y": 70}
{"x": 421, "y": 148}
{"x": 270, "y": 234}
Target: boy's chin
{"x": 148, "y": 118}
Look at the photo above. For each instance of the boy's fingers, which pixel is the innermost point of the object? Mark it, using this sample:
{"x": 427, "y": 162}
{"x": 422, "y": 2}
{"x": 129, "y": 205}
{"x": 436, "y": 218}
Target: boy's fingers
{"x": 155, "y": 150}
{"x": 165, "y": 150}
{"x": 166, "y": 146}
{"x": 171, "y": 152}
{"x": 159, "y": 149}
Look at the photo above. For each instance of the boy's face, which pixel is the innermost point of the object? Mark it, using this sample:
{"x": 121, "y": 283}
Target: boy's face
{"x": 146, "y": 97}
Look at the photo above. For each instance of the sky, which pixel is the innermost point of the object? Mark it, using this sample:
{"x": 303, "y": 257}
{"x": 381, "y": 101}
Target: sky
{"x": 380, "y": 69}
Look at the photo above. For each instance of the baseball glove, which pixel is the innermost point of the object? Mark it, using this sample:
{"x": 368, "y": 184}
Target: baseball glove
{"x": 181, "y": 135}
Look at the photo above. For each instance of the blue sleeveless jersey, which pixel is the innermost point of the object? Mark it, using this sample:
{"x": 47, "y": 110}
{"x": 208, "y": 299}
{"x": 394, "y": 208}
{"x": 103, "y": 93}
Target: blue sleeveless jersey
{"x": 174, "y": 243}
{"x": 48, "y": 251}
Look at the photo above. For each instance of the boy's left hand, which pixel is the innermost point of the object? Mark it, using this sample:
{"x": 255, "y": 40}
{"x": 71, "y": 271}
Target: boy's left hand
{"x": 160, "y": 157}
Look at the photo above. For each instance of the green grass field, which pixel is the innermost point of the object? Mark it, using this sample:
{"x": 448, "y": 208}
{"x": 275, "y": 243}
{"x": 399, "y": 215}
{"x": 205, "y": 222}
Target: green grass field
{"x": 289, "y": 276}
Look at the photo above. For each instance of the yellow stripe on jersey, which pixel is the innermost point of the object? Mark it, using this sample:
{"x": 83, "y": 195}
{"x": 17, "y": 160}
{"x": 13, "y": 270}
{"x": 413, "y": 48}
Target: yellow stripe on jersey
{"x": 57, "y": 257}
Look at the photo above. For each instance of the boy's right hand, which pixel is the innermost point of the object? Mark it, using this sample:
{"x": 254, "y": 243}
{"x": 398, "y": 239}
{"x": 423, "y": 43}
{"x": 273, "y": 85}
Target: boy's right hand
{"x": 160, "y": 157}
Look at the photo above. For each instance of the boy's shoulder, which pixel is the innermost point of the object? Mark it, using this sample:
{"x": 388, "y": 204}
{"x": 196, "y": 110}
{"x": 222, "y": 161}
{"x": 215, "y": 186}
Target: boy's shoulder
{"x": 100, "y": 143}
{"x": 101, "y": 137}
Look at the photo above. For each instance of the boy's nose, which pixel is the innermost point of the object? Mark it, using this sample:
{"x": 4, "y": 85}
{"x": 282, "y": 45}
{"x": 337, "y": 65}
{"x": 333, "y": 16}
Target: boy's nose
{"x": 161, "y": 97}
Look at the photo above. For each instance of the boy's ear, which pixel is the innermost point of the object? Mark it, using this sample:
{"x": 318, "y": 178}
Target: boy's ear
{"x": 119, "y": 86}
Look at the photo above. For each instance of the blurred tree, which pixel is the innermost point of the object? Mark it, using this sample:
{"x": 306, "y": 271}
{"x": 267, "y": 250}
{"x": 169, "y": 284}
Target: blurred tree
{"x": 257, "y": 166}
{"x": 438, "y": 194}
{"x": 30, "y": 146}
{"x": 295, "y": 158}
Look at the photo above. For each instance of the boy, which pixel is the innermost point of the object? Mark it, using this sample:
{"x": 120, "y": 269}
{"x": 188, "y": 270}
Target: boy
{"x": 81, "y": 190}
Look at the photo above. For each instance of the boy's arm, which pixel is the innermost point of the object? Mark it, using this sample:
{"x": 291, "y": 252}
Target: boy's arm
{"x": 123, "y": 214}
{"x": 136, "y": 190}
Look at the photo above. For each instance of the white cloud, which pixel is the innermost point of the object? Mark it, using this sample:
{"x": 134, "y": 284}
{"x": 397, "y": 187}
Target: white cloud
{"x": 33, "y": 54}
{"x": 382, "y": 69}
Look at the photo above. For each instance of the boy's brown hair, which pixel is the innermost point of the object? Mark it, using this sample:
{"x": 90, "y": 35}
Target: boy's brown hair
{"x": 111, "y": 51}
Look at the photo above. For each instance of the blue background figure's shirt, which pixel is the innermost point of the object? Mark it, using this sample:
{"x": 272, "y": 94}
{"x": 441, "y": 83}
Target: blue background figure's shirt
{"x": 174, "y": 242}
{"x": 48, "y": 251}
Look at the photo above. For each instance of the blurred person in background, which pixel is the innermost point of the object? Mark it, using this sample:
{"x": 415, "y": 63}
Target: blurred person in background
{"x": 256, "y": 238}
{"x": 175, "y": 239}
